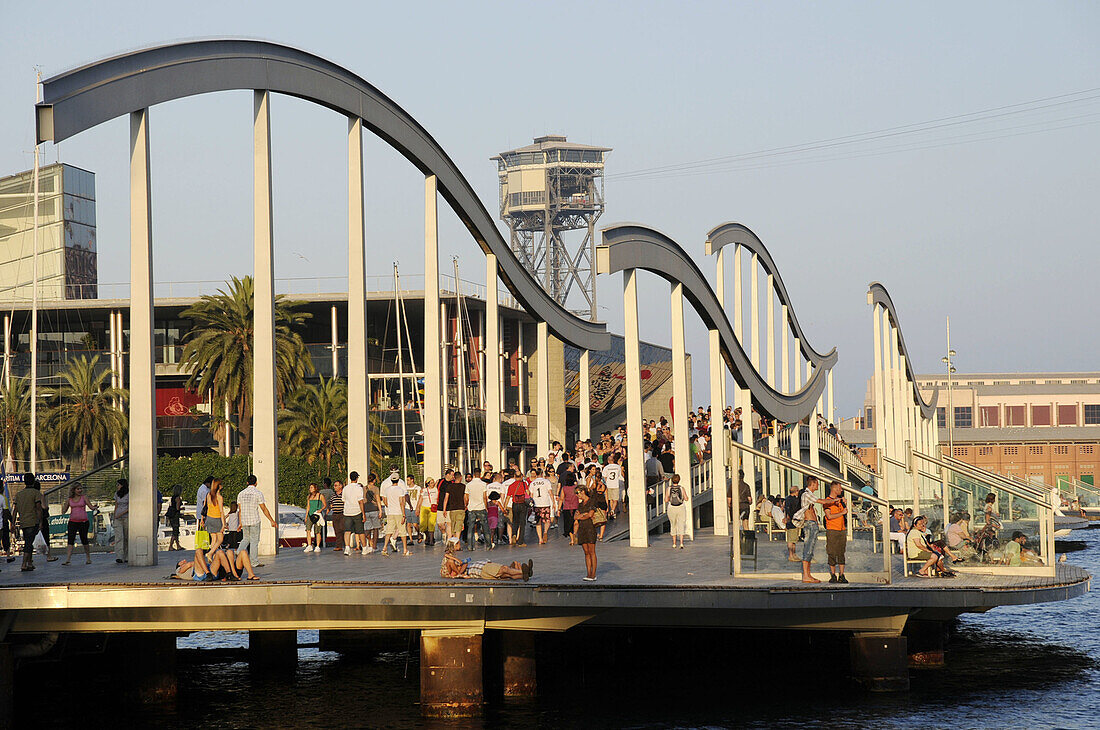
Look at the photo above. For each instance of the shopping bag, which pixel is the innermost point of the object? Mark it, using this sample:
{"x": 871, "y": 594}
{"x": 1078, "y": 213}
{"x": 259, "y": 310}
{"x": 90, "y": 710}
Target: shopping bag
{"x": 202, "y": 540}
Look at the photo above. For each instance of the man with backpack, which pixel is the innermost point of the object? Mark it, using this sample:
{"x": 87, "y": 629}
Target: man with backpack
{"x": 791, "y": 505}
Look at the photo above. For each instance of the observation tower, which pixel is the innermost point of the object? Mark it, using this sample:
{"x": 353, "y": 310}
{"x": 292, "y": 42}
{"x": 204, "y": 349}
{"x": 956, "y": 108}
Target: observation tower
{"x": 548, "y": 189}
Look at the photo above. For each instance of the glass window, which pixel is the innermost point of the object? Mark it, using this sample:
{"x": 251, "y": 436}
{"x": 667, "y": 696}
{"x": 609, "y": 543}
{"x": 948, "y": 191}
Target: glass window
{"x": 1015, "y": 415}
{"x": 941, "y": 417}
{"x": 1040, "y": 415}
{"x": 964, "y": 417}
{"x": 991, "y": 416}
{"x": 1092, "y": 415}
{"x": 1012, "y": 450}
{"x": 1067, "y": 415}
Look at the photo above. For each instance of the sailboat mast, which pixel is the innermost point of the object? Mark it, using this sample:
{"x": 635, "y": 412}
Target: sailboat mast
{"x": 400, "y": 373}
{"x": 462, "y": 358}
{"x": 34, "y": 298}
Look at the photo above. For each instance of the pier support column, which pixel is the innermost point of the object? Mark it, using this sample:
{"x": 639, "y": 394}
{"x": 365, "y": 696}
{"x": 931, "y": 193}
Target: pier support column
{"x": 273, "y": 650}
{"x": 358, "y": 388}
{"x": 148, "y": 664}
{"x": 450, "y": 674}
{"x": 925, "y": 642}
{"x": 7, "y": 686}
{"x": 879, "y": 662}
{"x": 518, "y": 658}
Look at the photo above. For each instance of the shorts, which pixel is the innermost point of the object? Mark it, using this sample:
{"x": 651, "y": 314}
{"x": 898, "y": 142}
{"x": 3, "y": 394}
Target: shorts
{"x": 233, "y": 539}
{"x": 78, "y": 528}
{"x": 745, "y": 513}
{"x": 542, "y": 514}
{"x": 202, "y": 578}
{"x": 371, "y": 521}
{"x": 427, "y": 519}
{"x": 411, "y": 516}
{"x": 395, "y": 525}
{"x": 491, "y": 570}
{"x": 792, "y": 534}
{"x": 456, "y": 518}
{"x": 353, "y": 524}
{"x": 315, "y": 528}
{"x": 613, "y": 494}
{"x": 836, "y": 542}
{"x": 213, "y": 525}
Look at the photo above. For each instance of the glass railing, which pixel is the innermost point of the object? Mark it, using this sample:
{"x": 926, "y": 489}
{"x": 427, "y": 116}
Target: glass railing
{"x": 763, "y": 551}
{"x": 1080, "y": 497}
{"x": 989, "y": 523}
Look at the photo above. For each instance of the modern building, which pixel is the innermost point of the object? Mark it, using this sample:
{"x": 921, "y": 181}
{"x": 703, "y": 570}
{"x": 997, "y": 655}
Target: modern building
{"x": 67, "y": 266}
{"x": 1042, "y": 426}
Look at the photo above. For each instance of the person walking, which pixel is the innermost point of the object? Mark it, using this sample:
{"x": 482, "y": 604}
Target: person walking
{"x": 427, "y": 504}
{"x": 612, "y": 477}
{"x": 28, "y": 515}
{"x": 567, "y": 501}
{"x": 477, "y": 509}
{"x": 395, "y": 500}
{"x": 175, "y": 507}
{"x": 78, "y": 507}
{"x": 251, "y": 501}
{"x": 452, "y": 492}
{"x": 120, "y": 520}
{"x": 336, "y": 514}
{"x": 542, "y": 496}
{"x": 677, "y": 510}
{"x": 586, "y": 531}
{"x": 6, "y": 524}
{"x": 515, "y": 502}
{"x": 372, "y": 515}
{"x": 836, "y": 534}
{"x": 315, "y": 519}
{"x": 215, "y": 514}
{"x": 353, "y": 515}
{"x": 328, "y": 493}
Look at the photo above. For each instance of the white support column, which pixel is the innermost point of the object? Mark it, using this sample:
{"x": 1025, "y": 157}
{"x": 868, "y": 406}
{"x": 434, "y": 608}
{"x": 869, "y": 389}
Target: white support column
{"x": 888, "y": 434}
{"x": 830, "y": 416}
{"x": 113, "y": 333}
{"x": 754, "y": 312}
{"x": 447, "y": 357}
{"x": 358, "y": 390}
{"x": 796, "y": 437}
{"x": 906, "y": 402}
{"x": 785, "y": 379}
{"x": 432, "y": 416}
{"x": 680, "y": 405}
{"x": 7, "y": 351}
{"x": 899, "y": 403}
{"x": 773, "y": 440}
{"x": 879, "y": 385}
{"x": 492, "y": 374}
{"x": 718, "y": 456}
{"x": 720, "y": 290}
{"x": 584, "y": 401}
{"x": 635, "y": 460}
{"x": 265, "y": 434}
{"x": 335, "y": 343}
{"x": 143, "y": 420}
{"x": 543, "y": 394}
{"x": 815, "y": 437}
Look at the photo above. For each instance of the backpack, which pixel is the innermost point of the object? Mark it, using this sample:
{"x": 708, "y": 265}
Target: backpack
{"x": 792, "y": 505}
{"x": 675, "y": 495}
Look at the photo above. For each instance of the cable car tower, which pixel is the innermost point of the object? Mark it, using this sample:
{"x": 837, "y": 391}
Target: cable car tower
{"x": 547, "y": 189}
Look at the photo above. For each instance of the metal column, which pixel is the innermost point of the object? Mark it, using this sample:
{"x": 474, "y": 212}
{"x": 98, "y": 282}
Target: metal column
{"x": 358, "y": 391}
{"x": 542, "y": 396}
{"x": 585, "y": 398}
{"x": 680, "y": 405}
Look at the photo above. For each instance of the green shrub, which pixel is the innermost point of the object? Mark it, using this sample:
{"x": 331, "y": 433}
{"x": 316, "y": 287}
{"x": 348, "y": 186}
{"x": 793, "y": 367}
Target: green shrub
{"x": 187, "y": 473}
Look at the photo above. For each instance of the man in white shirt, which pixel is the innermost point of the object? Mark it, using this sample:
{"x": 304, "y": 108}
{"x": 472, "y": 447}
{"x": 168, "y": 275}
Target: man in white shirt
{"x": 353, "y": 515}
{"x": 612, "y": 477}
{"x": 476, "y": 511}
{"x": 250, "y": 501}
{"x": 200, "y": 500}
{"x": 395, "y": 499}
{"x": 542, "y": 494}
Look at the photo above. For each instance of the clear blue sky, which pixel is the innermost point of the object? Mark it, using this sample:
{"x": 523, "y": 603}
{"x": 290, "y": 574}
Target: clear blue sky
{"x": 1000, "y": 234}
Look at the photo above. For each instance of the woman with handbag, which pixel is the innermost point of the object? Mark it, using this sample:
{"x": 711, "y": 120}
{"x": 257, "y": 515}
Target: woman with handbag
{"x": 586, "y": 530}
{"x": 215, "y": 505}
{"x": 677, "y": 510}
{"x": 316, "y": 504}
{"x": 599, "y": 498}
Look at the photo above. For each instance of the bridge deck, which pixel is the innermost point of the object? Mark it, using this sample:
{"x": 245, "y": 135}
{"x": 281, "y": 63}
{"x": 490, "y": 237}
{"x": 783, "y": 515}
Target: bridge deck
{"x": 636, "y": 587}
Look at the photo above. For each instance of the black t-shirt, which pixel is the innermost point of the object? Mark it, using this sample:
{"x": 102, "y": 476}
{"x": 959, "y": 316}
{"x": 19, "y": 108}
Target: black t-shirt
{"x": 668, "y": 463}
{"x": 457, "y": 492}
{"x": 567, "y": 478}
{"x": 561, "y": 469}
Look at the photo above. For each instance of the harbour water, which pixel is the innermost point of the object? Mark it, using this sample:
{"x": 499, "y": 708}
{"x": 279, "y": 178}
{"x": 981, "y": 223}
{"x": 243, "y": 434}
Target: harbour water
{"x": 1017, "y": 667}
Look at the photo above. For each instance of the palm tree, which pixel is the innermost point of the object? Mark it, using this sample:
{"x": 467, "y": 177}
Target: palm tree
{"x": 314, "y": 425}
{"x": 87, "y": 409}
{"x": 219, "y": 349}
{"x": 15, "y": 420}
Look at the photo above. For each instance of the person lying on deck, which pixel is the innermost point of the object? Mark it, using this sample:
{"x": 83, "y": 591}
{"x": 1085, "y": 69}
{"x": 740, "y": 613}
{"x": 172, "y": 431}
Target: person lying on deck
{"x": 455, "y": 567}
{"x": 222, "y": 565}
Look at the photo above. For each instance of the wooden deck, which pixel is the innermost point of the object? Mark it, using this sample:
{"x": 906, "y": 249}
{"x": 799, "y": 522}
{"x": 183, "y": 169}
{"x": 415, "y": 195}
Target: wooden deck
{"x": 635, "y": 587}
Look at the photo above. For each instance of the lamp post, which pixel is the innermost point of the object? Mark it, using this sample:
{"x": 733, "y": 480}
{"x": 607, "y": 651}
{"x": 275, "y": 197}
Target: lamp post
{"x": 948, "y": 359}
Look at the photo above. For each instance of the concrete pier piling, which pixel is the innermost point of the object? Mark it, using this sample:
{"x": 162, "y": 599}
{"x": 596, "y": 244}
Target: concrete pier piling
{"x": 451, "y": 682}
{"x": 926, "y": 641}
{"x": 273, "y": 651}
{"x": 518, "y": 660}
{"x": 880, "y": 662}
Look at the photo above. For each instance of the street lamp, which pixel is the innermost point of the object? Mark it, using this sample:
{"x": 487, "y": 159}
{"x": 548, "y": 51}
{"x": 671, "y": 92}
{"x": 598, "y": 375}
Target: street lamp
{"x": 948, "y": 359}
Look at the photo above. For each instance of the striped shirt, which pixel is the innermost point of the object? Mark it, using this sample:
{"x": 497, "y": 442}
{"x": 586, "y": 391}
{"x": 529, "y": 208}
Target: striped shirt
{"x": 250, "y": 499}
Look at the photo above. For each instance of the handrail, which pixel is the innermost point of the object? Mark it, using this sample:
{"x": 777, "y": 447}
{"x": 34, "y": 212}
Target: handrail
{"x": 993, "y": 477}
{"x": 635, "y": 246}
{"x": 1002, "y": 485}
{"x": 85, "y": 475}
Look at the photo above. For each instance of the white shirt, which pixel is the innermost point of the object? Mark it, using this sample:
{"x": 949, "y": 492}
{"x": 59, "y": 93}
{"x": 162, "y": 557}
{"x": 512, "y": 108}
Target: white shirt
{"x": 249, "y": 500}
{"x": 612, "y": 474}
{"x": 778, "y": 516}
{"x": 393, "y": 496}
{"x": 200, "y": 499}
{"x": 541, "y": 490}
{"x": 429, "y": 497}
{"x": 475, "y": 490}
{"x": 353, "y": 495}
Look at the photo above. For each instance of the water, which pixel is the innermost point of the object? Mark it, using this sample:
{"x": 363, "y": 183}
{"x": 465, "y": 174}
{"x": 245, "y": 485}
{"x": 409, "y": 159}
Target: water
{"x": 1016, "y": 667}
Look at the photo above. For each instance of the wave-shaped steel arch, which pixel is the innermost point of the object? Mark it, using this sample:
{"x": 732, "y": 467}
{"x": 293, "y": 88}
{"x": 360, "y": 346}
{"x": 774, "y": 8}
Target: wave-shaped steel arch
{"x": 636, "y": 246}
{"x": 877, "y": 294}
{"x": 738, "y": 233}
{"x": 85, "y": 97}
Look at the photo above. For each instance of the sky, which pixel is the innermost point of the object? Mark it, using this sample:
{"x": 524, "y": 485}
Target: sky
{"x": 991, "y": 220}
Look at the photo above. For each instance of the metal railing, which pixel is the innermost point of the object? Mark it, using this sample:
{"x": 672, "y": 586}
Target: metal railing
{"x": 699, "y": 481}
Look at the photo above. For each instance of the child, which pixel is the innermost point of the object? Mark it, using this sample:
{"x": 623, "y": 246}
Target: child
{"x": 494, "y": 509}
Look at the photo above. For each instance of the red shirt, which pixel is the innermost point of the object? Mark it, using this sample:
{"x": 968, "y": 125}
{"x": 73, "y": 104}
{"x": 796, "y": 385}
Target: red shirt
{"x": 517, "y": 490}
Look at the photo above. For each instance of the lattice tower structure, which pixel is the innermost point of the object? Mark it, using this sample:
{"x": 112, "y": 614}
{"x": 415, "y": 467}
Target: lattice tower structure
{"x": 549, "y": 189}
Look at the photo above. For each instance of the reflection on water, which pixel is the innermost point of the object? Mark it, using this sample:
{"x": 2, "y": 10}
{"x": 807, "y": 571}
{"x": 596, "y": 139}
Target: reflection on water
{"x": 1028, "y": 666}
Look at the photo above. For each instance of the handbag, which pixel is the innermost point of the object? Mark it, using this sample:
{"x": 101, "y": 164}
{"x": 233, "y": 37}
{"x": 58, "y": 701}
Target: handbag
{"x": 202, "y": 540}
{"x": 599, "y": 517}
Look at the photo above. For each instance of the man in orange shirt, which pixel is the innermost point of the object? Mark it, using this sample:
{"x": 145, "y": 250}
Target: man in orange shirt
{"x": 836, "y": 534}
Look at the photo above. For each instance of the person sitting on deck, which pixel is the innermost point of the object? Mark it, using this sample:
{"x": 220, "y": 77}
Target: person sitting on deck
{"x": 215, "y": 565}
{"x": 455, "y": 567}
{"x": 898, "y": 528}
{"x": 919, "y": 547}
{"x": 1017, "y": 555}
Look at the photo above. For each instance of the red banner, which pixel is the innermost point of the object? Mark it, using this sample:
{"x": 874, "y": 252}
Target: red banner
{"x": 176, "y": 401}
